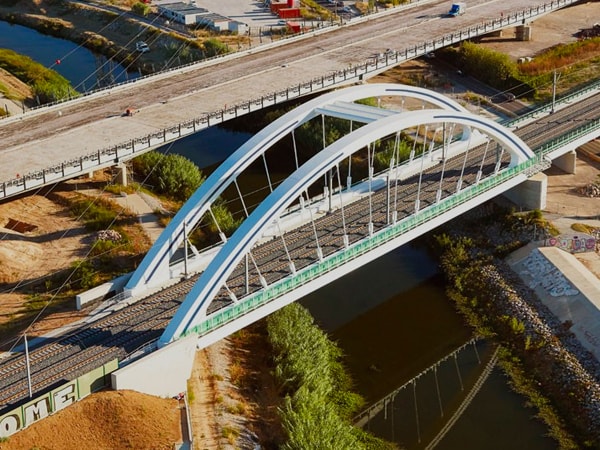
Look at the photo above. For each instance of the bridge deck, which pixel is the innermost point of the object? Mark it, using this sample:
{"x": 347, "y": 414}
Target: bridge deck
{"x": 120, "y": 334}
{"x": 82, "y": 127}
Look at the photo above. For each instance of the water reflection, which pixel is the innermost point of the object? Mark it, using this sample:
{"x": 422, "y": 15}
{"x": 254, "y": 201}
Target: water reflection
{"x": 83, "y": 68}
{"x": 407, "y": 326}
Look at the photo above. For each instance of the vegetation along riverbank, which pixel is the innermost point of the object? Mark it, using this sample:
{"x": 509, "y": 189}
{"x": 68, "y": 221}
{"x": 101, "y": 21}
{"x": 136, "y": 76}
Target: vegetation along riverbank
{"x": 540, "y": 356}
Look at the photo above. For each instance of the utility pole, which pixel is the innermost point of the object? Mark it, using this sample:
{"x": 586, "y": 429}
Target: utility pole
{"x": 27, "y": 364}
{"x": 554, "y": 81}
{"x": 185, "y": 251}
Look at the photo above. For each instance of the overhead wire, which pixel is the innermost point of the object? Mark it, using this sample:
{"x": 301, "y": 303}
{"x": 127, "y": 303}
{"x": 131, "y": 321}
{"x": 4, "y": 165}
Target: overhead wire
{"x": 87, "y": 255}
{"x": 180, "y": 48}
{"x": 113, "y": 58}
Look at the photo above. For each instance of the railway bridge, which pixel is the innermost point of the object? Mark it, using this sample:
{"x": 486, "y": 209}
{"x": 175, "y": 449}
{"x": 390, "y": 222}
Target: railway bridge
{"x": 393, "y": 176}
{"x": 368, "y": 180}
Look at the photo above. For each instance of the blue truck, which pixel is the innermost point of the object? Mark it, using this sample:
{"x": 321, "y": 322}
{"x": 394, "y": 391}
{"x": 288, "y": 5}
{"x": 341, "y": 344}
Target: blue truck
{"x": 457, "y": 9}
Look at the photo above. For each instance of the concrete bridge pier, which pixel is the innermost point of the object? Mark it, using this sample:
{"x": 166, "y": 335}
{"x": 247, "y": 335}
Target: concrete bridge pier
{"x": 524, "y": 32}
{"x": 163, "y": 373}
{"x": 566, "y": 162}
{"x": 121, "y": 177}
{"x": 531, "y": 194}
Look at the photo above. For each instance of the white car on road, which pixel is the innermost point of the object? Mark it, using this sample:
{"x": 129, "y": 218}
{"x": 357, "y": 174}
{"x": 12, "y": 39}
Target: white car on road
{"x": 142, "y": 47}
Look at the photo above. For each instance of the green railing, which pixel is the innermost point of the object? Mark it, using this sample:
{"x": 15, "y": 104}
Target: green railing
{"x": 342, "y": 257}
{"x": 279, "y": 288}
{"x": 567, "y": 138}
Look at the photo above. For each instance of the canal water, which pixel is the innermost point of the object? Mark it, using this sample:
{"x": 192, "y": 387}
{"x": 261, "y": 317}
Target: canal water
{"x": 390, "y": 317}
{"x": 84, "y": 69}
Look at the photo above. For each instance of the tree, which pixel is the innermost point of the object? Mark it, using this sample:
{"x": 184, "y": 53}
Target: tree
{"x": 492, "y": 67}
{"x": 173, "y": 175}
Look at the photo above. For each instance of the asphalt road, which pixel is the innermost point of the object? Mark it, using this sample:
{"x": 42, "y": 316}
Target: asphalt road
{"x": 84, "y": 126}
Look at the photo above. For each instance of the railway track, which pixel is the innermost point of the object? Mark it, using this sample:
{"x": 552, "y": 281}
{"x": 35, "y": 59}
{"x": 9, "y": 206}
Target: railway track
{"x": 121, "y": 333}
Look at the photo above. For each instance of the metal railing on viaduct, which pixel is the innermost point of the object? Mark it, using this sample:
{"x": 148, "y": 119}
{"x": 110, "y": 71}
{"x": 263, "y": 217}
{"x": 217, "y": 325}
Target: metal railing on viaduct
{"x": 107, "y": 157}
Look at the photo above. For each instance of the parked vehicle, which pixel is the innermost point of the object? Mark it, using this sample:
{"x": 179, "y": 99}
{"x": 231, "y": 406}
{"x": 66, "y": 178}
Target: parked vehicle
{"x": 457, "y": 9}
{"x": 142, "y": 47}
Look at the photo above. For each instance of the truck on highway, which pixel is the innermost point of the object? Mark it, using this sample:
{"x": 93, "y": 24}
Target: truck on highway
{"x": 457, "y": 9}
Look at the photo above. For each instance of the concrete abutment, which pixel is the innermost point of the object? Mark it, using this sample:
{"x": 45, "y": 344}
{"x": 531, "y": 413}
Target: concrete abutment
{"x": 531, "y": 194}
{"x": 163, "y": 373}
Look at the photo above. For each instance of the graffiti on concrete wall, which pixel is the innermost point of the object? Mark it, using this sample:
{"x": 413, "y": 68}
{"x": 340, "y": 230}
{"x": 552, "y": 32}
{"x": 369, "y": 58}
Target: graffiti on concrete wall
{"x": 573, "y": 243}
{"x": 55, "y": 400}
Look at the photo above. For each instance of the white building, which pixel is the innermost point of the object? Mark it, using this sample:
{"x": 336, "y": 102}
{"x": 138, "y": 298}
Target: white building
{"x": 181, "y": 12}
{"x": 190, "y": 14}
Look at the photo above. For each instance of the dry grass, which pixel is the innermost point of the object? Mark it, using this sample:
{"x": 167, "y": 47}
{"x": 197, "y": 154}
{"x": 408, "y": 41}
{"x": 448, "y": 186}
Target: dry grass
{"x": 13, "y": 88}
{"x": 562, "y": 55}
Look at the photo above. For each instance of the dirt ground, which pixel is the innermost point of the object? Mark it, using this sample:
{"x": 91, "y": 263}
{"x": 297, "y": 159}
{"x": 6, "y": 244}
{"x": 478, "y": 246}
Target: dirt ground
{"x": 109, "y": 420}
{"x": 39, "y": 237}
{"x": 560, "y": 27}
{"x": 54, "y": 242}
{"x": 218, "y": 403}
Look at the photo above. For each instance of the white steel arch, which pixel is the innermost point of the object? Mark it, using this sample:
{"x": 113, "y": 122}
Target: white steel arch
{"x": 154, "y": 268}
{"x": 193, "y": 309}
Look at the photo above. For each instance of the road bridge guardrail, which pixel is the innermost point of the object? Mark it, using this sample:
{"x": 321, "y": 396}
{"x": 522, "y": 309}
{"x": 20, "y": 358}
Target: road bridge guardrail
{"x": 324, "y": 28}
{"x": 107, "y": 157}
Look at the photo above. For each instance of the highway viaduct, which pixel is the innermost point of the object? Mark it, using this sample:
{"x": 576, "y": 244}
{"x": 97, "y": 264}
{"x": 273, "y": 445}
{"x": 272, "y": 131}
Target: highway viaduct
{"x": 76, "y": 137}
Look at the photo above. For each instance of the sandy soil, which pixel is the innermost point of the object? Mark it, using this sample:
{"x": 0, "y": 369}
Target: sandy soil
{"x": 110, "y": 420}
{"x": 27, "y": 258}
{"x": 564, "y": 198}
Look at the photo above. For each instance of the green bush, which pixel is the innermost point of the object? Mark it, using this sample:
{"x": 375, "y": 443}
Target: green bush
{"x": 96, "y": 214}
{"x": 318, "y": 402}
{"x": 172, "y": 175}
{"x": 84, "y": 275}
{"x": 492, "y": 67}
{"x": 227, "y": 223}
{"x": 141, "y": 9}
{"x": 214, "y": 47}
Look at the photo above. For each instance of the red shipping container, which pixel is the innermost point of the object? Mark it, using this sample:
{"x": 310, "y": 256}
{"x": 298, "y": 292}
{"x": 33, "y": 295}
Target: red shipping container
{"x": 294, "y": 26}
{"x": 289, "y": 13}
{"x": 276, "y": 6}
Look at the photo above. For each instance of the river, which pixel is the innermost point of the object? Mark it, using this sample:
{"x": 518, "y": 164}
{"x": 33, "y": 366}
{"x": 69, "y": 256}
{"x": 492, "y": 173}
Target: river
{"x": 391, "y": 317}
{"x": 393, "y": 320}
{"x": 84, "y": 69}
